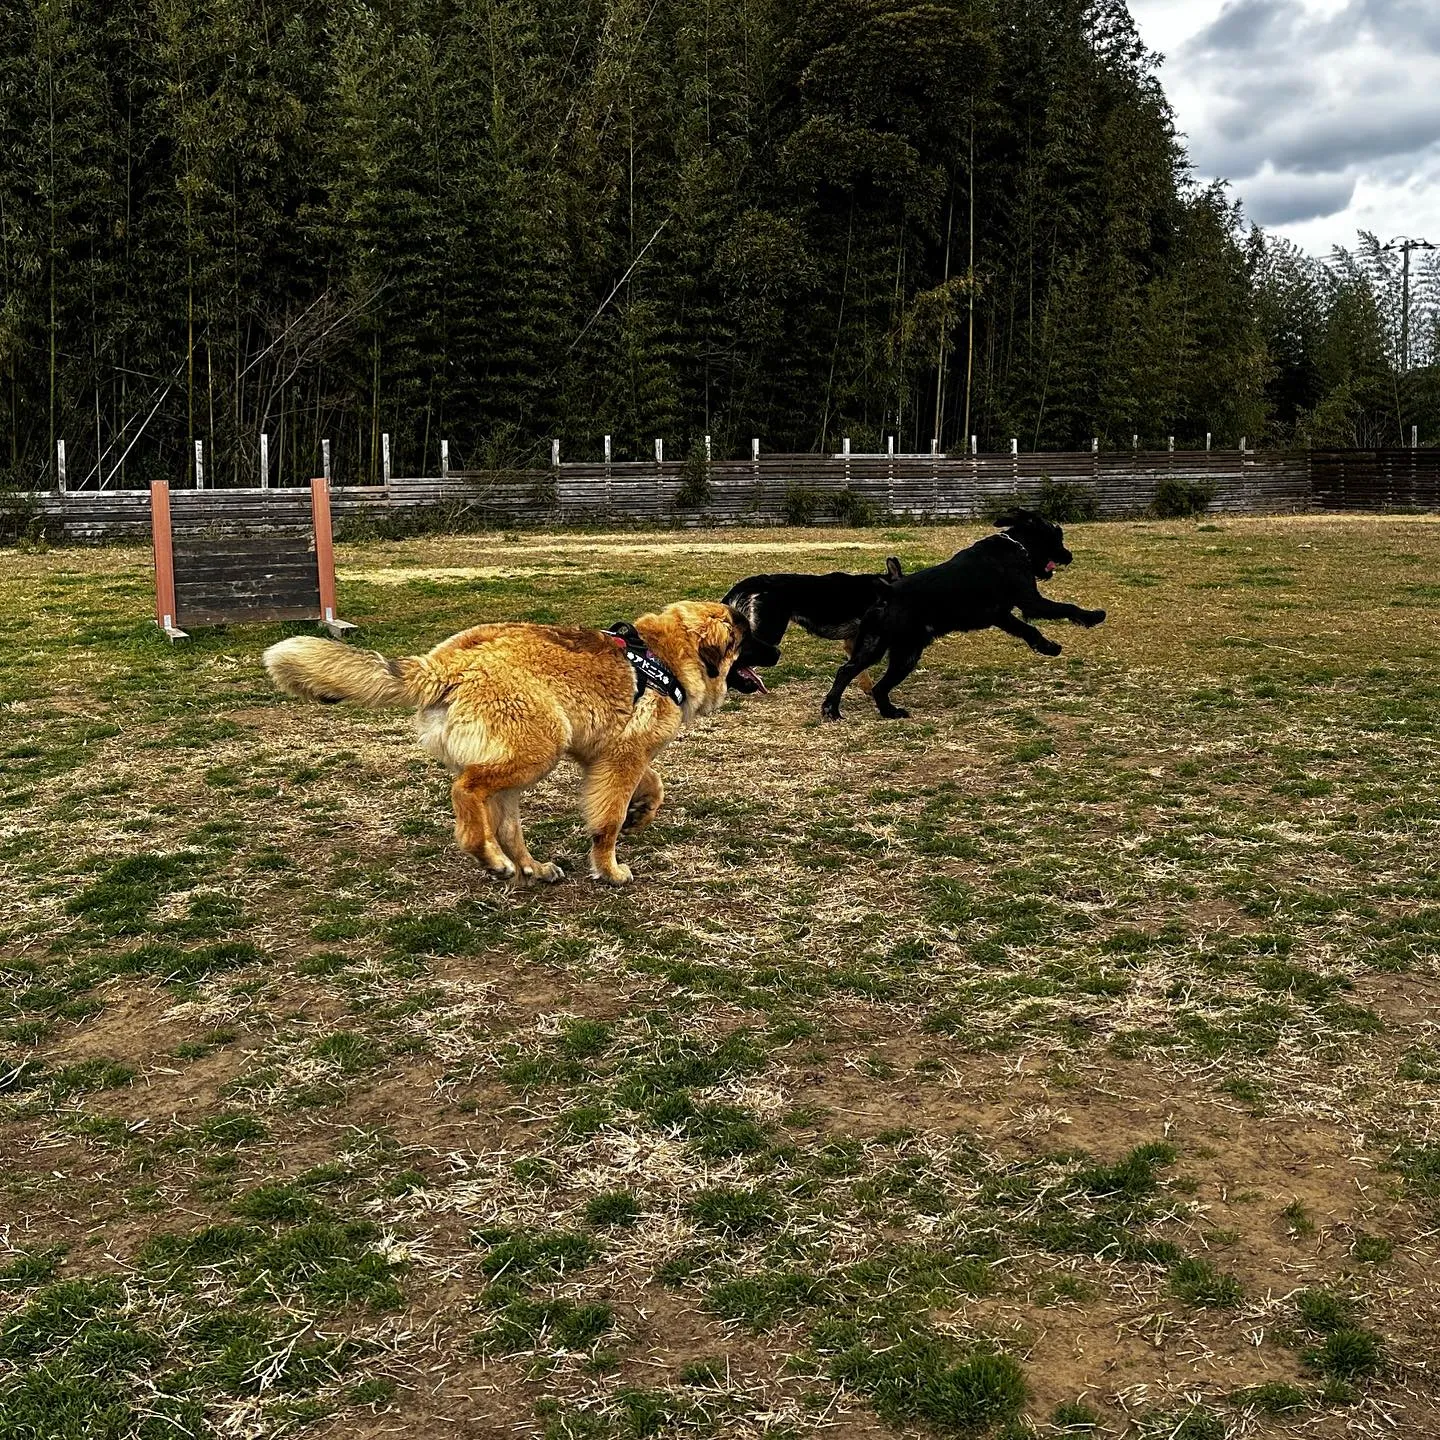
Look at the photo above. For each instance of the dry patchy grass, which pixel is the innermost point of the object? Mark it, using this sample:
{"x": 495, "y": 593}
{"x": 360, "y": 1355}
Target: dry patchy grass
{"x": 1060, "y": 1061}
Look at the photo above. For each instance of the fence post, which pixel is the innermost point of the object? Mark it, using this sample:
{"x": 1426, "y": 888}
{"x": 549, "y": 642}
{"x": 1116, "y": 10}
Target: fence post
{"x": 164, "y": 547}
{"x": 554, "y": 454}
{"x": 60, "y": 466}
{"x": 707, "y": 449}
{"x": 975, "y": 446}
{"x": 1094, "y": 444}
{"x": 1171, "y": 445}
{"x": 325, "y": 463}
{"x": 1242, "y": 444}
{"x": 659, "y": 450}
{"x": 1014, "y": 446}
{"x": 1207, "y": 440}
{"x": 384, "y": 461}
{"x": 264, "y": 461}
{"x": 890, "y": 474}
{"x": 1414, "y": 437}
{"x": 444, "y": 459}
{"x": 199, "y": 464}
{"x": 325, "y": 557}
{"x": 1134, "y": 442}
{"x": 608, "y": 500}
{"x": 755, "y": 469}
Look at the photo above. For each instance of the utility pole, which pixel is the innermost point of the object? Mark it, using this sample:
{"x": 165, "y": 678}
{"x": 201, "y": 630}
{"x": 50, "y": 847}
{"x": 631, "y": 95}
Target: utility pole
{"x": 1404, "y": 244}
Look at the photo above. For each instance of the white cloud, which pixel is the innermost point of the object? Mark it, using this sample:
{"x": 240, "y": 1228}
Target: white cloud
{"x": 1323, "y": 114}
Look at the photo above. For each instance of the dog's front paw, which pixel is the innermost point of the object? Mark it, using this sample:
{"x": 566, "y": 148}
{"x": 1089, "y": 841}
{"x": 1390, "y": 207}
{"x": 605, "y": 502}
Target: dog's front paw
{"x": 893, "y": 712}
{"x": 1049, "y": 647}
{"x": 1093, "y": 618}
{"x": 617, "y": 874}
{"x": 548, "y": 872}
{"x": 503, "y": 869}
{"x": 830, "y": 710}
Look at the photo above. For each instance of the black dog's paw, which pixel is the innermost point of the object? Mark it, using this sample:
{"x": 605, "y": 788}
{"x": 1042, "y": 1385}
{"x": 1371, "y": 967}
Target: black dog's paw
{"x": 893, "y": 712}
{"x": 1093, "y": 618}
{"x": 1049, "y": 647}
{"x": 830, "y": 710}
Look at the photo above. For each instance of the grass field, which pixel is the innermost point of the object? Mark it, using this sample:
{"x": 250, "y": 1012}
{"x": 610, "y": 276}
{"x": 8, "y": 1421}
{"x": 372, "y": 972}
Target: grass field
{"x": 1062, "y": 1060}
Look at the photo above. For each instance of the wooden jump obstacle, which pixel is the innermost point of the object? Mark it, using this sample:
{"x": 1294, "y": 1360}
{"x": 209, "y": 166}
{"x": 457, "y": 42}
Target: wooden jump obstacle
{"x": 250, "y": 556}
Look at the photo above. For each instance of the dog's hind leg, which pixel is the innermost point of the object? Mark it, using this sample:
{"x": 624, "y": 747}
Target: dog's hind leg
{"x": 610, "y": 784}
{"x": 505, "y": 812}
{"x": 470, "y": 794}
{"x": 864, "y": 679}
{"x": 868, "y": 647}
{"x": 644, "y": 802}
{"x": 903, "y": 659}
{"x": 486, "y": 797}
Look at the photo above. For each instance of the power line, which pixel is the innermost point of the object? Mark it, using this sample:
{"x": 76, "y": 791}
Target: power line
{"x": 1404, "y": 244}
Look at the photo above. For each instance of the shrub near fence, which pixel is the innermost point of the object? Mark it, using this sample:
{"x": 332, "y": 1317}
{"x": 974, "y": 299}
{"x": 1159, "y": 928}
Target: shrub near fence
{"x": 806, "y": 489}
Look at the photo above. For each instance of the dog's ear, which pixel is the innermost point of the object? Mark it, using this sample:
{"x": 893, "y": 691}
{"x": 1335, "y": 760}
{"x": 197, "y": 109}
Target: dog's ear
{"x": 1013, "y": 515}
{"x": 716, "y": 639}
{"x": 893, "y": 569}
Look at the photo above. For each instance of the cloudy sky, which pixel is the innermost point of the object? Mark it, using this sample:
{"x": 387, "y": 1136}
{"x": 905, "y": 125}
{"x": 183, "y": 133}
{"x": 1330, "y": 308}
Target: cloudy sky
{"x": 1323, "y": 114}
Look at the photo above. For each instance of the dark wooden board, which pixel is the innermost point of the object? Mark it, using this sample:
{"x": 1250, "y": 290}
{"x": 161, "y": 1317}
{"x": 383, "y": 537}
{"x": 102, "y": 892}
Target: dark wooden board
{"x": 245, "y": 614}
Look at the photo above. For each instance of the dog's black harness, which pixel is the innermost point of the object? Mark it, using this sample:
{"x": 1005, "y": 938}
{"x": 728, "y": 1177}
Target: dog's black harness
{"x": 649, "y": 669}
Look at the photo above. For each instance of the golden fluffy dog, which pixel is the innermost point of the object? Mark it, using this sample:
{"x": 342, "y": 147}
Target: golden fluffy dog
{"x": 500, "y": 705}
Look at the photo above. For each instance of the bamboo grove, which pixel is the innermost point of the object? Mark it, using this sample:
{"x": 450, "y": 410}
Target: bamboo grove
{"x": 498, "y": 221}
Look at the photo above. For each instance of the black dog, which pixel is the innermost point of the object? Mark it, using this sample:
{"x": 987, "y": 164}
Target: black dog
{"x": 973, "y": 590}
{"x": 830, "y": 606}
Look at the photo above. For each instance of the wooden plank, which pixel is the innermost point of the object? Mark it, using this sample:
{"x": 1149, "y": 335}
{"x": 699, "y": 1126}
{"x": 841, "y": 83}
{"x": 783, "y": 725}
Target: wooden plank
{"x": 196, "y": 568}
{"x": 248, "y": 615}
{"x": 250, "y": 577}
{"x": 195, "y": 551}
{"x": 294, "y": 591}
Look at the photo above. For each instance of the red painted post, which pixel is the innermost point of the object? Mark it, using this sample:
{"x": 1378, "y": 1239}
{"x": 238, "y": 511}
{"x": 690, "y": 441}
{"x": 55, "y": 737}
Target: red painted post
{"x": 164, "y": 545}
{"x": 324, "y": 547}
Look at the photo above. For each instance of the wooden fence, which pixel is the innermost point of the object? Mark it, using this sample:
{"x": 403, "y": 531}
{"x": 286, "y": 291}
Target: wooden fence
{"x": 1375, "y": 479}
{"x": 780, "y": 489}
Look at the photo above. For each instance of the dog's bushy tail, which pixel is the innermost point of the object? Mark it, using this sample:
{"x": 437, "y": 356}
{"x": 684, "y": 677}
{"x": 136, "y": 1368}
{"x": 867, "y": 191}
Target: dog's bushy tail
{"x": 327, "y": 671}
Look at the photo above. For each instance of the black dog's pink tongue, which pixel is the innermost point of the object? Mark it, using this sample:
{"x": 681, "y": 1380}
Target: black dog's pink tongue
{"x": 749, "y": 674}
{"x": 1049, "y": 567}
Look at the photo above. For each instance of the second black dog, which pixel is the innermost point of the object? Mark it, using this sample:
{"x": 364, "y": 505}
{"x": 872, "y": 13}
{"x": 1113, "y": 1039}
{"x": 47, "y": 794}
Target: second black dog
{"x": 976, "y": 588}
{"x": 830, "y": 606}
